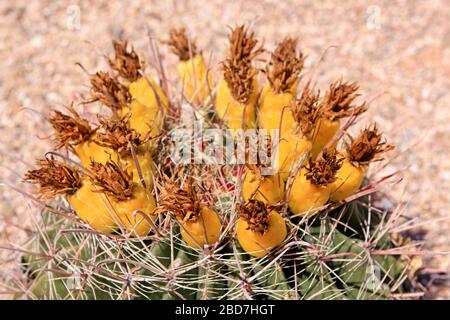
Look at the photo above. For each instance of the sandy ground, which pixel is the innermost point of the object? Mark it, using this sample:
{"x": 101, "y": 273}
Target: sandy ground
{"x": 399, "y": 49}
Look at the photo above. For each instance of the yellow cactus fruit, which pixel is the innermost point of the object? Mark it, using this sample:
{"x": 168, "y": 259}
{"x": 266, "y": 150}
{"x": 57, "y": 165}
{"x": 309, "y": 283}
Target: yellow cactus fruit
{"x": 147, "y": 92}
{"x": 129, "y": 200}
{"x": 259, "y": 231}
{"x": 237, "y": 93}
{"x": 116, "y": 134}
{"x": 310, "y": 189}
{"x": 236, "y": 115}
{"x": 268, "y": 189}
{"x": 366, "y": 148}
{"x": 323, "y": 133}
{"x": 276, "y": 98}
{"x": 132, "y": 92}
{"x": 296, "y": 143}
{"x": 337, "y": 103}
{"x": 93, "y": 208}
{"x": 199, "y": 224}
{"x": 290, "y": 151}
{"x": 191, "y": 68}
{"x": 204, "y": 230}
{"x": 58, "y": 178}
{"x": 76, "y": 135}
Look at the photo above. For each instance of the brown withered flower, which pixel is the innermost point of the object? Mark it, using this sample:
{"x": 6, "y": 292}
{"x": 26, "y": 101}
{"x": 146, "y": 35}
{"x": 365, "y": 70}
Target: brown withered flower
{"x": 322, "y": 171}
{"x": 306, "y": 111}
{"x": 111, "y": 178}
{"x": 238, "y": 71}
{"x": 116, "y": 133}
{"x": 109, "y": 91}
{"x": 126, "y": 62}
{"x": 70, "y": 130}
{"x": 367, "y": 147}
{"x": 256, "y": 215}
{"x": 183, "y": 201}
{"x": 338, "y": 101}
{"x": 285, "y": 66}
{"x": 54, "y": 178}
{"x": 180, "y": 44}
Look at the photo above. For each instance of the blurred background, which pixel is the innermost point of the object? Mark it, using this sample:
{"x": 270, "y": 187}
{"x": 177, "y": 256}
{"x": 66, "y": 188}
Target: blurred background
{"x": 398, "y": 51}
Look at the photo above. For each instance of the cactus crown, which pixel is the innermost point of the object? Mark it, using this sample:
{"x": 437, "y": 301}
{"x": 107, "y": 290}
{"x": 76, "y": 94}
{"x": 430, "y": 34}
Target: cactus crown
{"x": 109, "y": 91}
{"x": 238, "y": 71}
{"x": 111, "y": 178}
{"x": 54, "y": 178}
{"x": 322, "y": 171}
{"x": 126, "y": 62}
{"x": 117, "y": 134}
{"x": 285, "y": 66}
{"x": 256, "y": 215}
{"x": 338, "y": 101}
{"x": 183, "y": 200}
{"x": 306, "y": 111}
{"x": 181, "y": 45}
{"x": 70, "y": 130}
{"x": 367, "y": 147}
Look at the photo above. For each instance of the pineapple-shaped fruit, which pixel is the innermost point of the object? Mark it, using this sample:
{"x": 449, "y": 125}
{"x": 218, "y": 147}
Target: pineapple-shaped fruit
{"x": 199, "y": 224}
{"x": 77, "y": 135}
{"x": 296, "y": 143}
{"x": 279, "y": 93}
{"x": 258, "y": 183}
{"x": 336, "y": 104}
{"x": 148, "y": 103}
{"x": 363, "y": 150}
{"x": 238, "y": 90}
{"x": 116, "y": 134}
{"x": 130, "y": 200}
{"x": 191, "y": 68}
{"x": 310, "y": 189}
{"x": 58, "y": 178}
{"x": 258, "y": 229}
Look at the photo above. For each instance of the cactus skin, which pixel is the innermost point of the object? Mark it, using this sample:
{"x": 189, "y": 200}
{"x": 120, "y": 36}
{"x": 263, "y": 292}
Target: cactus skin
{"x": 257, "y": 244}
{"x": 93, "y": 208}
{"x": 306, "y": 197}
{"x": 268, "y": 189}
{"x": 194, "y": 232}
{"x": 348, "y": 180}
{"x": 236, "y": 115}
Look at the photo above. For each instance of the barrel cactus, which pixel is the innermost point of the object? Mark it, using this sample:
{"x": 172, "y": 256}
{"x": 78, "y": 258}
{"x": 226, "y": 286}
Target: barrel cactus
{"x": 124, "y": 220}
